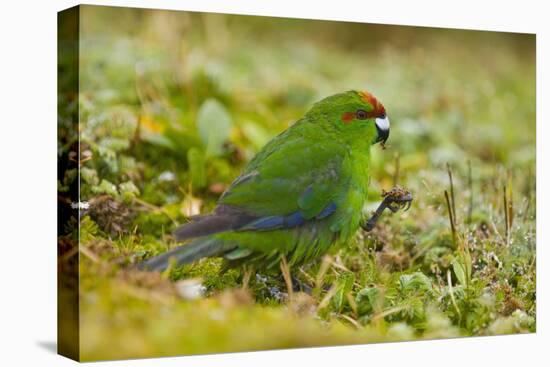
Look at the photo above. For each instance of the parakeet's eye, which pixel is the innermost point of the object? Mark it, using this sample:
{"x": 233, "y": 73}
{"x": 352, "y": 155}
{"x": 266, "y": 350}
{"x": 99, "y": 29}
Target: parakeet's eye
{"x": 361, "y": 114}
{"x": 382, "y": 116}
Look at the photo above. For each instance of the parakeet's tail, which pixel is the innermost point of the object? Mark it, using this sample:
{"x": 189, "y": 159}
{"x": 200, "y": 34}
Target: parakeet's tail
{"x": 202, "y": 247}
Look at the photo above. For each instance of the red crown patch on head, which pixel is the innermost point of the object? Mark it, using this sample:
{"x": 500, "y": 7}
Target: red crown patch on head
{"x": 377, "y": 107}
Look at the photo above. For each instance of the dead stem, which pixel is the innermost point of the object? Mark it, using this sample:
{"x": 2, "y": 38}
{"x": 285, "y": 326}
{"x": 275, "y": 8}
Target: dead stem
{"x": 471, "y": 191}
{"x": 67, "y": 255}
{"x": 451, "y": 293}
{"x": 89, "y": 254}
{"x": 326, "y": 299}
{"x": 508, "y": 212}
{"x": 155, "y": 209}
{"x": 452, "y": 192}
{"x": 285, "y": 270}
{"x": 351, "y": 320}
{"x": 325, "y": 265}
{"x": 451, "y": 218}
{"x": 388, "y": 312}
{"x": 246, "y": 277}
{"x": 352, "y": 304}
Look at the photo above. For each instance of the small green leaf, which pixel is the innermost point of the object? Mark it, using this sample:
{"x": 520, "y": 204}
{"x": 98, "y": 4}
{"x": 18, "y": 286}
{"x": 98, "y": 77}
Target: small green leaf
{"x": 214, "y": 125}
{"x": 89, "y": 175}
{"x": 195, "y": 159}
{"x": 182, "y": 140}
{"x": 159, "y": 140}
{"x": 61, "y": 187}
{"x": 460, "y": 274}
{"x": 128, "y": 191}
{"x": 368, "y": 299}
{"x": 105, "y": 187}
{"x": 415, "y": 282}
{"x": 345, "y": 284}
{"x": 70, "y": 176}
{"x": 114, "y": 144}
{"x": 88, "y": 229}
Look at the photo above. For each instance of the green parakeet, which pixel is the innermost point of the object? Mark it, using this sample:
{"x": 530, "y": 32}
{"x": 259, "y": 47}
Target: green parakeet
{"x": 300, "y": 195}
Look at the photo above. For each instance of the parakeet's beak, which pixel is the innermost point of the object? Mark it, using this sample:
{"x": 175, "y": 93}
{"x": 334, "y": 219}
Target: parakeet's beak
{"x": 383, "y": 128}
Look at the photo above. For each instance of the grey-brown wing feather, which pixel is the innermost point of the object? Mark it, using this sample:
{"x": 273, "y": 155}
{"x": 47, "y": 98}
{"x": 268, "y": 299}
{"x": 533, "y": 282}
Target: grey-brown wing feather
{"x": 223, "y": 218}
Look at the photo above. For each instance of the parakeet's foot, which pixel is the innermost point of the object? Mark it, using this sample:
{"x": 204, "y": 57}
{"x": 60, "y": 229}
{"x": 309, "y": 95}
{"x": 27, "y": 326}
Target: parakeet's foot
{"x": 277, "y": 294}
{"x": 299, "y": 286}
{"x": 395, "y": 199}
{"x": 272, "y": 289}
{"x": 275, "y": 291}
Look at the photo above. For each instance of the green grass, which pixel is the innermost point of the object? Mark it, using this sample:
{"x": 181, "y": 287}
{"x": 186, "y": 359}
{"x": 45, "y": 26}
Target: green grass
{"x": 172, "y": 107}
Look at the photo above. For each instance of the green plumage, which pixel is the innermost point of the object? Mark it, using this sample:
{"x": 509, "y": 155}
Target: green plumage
{"x": 302, "y": 194}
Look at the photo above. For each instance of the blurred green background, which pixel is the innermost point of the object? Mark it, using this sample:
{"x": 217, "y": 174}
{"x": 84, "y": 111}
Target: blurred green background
{"x": 173, "y": 105}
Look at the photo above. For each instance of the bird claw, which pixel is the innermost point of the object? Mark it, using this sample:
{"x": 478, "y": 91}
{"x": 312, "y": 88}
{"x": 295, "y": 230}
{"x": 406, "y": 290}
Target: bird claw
{"x": 397, "y": 198}
{"x": 394, "y": 207}
{"x": 394, "y": 200}
{"x": 403, "y": 203}
{"x": 299, "y": 286}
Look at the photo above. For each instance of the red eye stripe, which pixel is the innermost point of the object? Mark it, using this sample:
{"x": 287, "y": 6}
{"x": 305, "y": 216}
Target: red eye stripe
{"x": 376, "y": 111}
{"x": 348, "y": 117}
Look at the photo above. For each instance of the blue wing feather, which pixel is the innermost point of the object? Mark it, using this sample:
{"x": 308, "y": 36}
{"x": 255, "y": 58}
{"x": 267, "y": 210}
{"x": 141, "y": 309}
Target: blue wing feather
{"x": 285, "y": 221}
{"x": 328, "y": 210}
{"x": 294, "y": 220}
